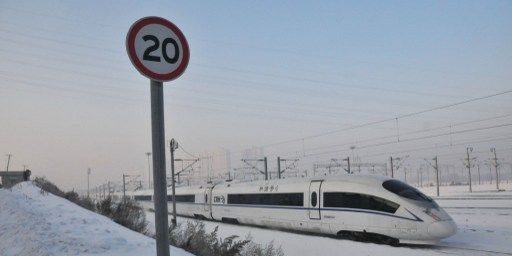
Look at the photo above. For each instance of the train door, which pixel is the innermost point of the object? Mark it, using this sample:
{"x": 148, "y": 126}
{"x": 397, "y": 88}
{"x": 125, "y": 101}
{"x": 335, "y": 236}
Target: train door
{"x": 207, "y": 199}
{"x": 314, "y": 199}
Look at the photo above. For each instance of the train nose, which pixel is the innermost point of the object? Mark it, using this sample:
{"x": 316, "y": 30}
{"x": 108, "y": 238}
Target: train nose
{"x": 442, "y": 229}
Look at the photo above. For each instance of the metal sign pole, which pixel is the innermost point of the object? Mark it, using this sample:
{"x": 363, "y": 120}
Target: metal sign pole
{"x": 159, "y": 177}
{"x": 174, "y": 146}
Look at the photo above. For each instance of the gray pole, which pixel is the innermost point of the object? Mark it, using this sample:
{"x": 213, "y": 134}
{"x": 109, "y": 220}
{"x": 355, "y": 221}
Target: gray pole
{"x": 174, "y": 146}
{"x": 124, "y": 187}
{"x": 490, "y": 171}
{"x": 279, "y": 167}
{"x": 159, "y": 177}
{"x": 469, "y": 168}
{"x": 8, "y": 161}
{"x": 496, "y": 168}
{"x": 392, "y": 173}
{"x": 478, "y": 170}
{"x": 88, "y": 174}
{"x": 266, "y": 170}
{"x": 149, "y": 170}
{"x": 437, "y": 175}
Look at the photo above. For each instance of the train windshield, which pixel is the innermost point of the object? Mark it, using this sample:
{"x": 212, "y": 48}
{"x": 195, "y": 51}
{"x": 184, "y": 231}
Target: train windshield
{"x": 404, "y": 190}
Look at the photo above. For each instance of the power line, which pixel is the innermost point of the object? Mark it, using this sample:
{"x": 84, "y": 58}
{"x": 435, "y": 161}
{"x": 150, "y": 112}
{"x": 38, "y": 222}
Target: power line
{"x": 417, "y": 138}
{"x": 390, "y": 119}
{"x": 407, "y": 133}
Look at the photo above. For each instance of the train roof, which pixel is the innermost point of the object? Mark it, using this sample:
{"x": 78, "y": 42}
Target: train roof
{"x": 352, "y": 178}
{"x": 349, "y": 178}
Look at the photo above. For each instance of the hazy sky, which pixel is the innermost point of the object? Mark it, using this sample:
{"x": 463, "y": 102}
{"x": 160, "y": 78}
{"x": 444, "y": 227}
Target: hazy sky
{"x": 261, "y": 72}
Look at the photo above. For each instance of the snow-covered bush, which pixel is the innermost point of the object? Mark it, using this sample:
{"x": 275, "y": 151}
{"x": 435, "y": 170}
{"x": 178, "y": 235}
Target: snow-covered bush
{"x": 127, "y": 213}
{"x": 85, "y": 202}
{"x": 254, "y": 249}
{"x": 48, "y": 186}
{"x": 194, "y": 238}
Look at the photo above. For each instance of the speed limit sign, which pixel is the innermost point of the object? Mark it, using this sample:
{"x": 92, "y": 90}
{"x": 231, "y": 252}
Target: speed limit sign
{"x": 157, "y": 48}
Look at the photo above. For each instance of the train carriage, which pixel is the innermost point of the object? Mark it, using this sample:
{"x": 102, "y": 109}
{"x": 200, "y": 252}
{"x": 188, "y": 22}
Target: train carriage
{"x": 358, "y": 207}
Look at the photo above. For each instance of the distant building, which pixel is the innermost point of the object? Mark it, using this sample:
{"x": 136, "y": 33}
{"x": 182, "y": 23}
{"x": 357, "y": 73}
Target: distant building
{"x": 12, "y": 178}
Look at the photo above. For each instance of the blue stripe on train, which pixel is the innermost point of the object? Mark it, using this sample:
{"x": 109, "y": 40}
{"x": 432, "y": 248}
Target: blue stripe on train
{"x": 307, "y": 209}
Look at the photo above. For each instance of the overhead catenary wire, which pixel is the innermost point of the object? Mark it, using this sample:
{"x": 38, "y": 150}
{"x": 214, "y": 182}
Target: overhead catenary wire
{"x": 391, "y": 118}
{"x": 406, "y": 133}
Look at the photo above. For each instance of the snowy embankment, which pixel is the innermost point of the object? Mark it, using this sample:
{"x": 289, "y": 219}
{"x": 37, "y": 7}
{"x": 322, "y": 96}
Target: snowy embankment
{"x": 36, "y": 223}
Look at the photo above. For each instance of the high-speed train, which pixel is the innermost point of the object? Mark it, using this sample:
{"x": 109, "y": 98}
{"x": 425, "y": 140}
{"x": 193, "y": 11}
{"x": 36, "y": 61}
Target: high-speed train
{"x": 358, "y": 207}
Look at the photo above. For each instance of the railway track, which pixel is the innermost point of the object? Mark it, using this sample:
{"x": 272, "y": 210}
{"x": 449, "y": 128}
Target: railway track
{"x": 480, "y": 251}
{"x": 477, "y": 207}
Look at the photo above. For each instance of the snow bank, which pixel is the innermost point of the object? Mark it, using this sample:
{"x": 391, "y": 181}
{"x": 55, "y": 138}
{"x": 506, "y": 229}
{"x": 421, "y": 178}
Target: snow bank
{"x": 36, "y": 223}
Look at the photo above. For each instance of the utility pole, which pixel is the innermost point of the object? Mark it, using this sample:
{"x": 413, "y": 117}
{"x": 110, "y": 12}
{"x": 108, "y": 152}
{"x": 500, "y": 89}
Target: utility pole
{"x": 287, "y": 167}
{"x": 478, "y": 170}
{"x": 279, "y": 167}
{"x": 8, "y": 162}
{"x": 173, "y": 146}
{"x": 468, "y": 165}
{"x": 392, "y": 172}
{"x": 495, "y": 163}
{"x": 88, "y": 174}
{"x": 396, "y": 163}
{"x": 437, "y": 175}
{"x": 124, "y": 186}
{"x": 348, "y": 164}
{"x": 265, "y": 166}
{"x": 148, "y": 154}
{"x": 267, "y": 176}
{"x": 228, "y": 163}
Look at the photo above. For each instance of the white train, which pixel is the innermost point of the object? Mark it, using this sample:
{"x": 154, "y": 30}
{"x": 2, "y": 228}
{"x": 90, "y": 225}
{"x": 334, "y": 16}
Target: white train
{"x": 358, "y": 207}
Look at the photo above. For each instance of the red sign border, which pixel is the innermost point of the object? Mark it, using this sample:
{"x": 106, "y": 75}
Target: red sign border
{"x": 130, "y": 48}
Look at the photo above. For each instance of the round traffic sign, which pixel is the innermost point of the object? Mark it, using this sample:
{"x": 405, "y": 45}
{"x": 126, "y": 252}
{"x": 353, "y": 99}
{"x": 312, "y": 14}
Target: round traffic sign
{"x": 157, "y": 48}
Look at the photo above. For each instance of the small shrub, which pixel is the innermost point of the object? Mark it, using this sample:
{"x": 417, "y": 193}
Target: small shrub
{"x": 72, "y": 196}
{"x": 254, "y": 249}
{"x": 131, "y": 215}
{"x": 127, "y": 213}
{"x": 48, "y": 186}
{"x": 87, "y": 203}
{"x": 104, "y": 207}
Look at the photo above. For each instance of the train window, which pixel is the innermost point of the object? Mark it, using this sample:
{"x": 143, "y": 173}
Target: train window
{"x": 182, "y": 198}
{"x": 142, "y": 198}
{"x": 286, "y": 199}
{"x": 358, "y": 201}
{"x": 313, "y": 199}
{"x": 404, "y": 190}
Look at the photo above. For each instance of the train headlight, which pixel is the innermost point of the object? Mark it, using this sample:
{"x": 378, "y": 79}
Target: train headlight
{"x": 430, "y": 213}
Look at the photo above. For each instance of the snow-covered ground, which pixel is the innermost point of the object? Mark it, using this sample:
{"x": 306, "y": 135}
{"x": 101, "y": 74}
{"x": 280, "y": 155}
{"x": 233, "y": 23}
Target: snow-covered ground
{"x": 484, "y": 219}
{"x": 33, "y": 223}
